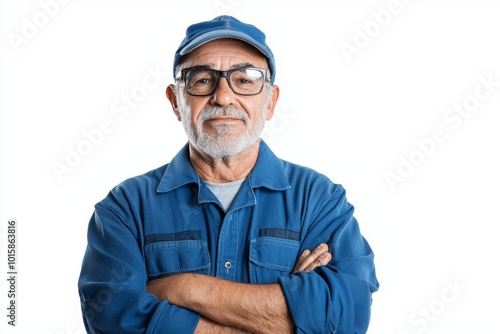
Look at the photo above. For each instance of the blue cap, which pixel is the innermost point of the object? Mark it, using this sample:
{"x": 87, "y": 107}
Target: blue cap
{"x": 224, "y": 27}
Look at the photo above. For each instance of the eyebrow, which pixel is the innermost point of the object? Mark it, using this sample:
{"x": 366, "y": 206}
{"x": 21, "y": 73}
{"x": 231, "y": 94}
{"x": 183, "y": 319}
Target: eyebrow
{"x": 212, "y": 66}
{"x": 243, "y": 65}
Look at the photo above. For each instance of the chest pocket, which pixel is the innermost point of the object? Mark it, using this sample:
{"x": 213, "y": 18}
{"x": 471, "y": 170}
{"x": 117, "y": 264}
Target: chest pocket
{"x": 165, "y": 256}
{"x": 271, "y": 258}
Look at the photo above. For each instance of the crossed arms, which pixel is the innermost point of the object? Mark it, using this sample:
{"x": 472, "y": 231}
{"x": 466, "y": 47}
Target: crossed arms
{"x": 321, "y": 296}
{"x": 231, "y": 307}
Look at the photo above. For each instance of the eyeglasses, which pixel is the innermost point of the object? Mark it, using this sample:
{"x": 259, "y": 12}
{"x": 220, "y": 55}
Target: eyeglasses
{"x": 201, "y": 81}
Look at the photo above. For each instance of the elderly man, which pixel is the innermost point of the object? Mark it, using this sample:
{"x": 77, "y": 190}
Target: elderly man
{"x": 226, "y": 238}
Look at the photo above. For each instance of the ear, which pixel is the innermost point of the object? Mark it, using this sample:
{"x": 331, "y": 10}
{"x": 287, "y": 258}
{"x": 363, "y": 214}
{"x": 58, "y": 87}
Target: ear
{"x": 172, "y": 97}
{"x": 275, "y": 94}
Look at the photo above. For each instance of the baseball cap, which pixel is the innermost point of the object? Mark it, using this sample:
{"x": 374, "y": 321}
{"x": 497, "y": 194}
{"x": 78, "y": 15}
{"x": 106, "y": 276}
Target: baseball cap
{"x": 224, "y": 26}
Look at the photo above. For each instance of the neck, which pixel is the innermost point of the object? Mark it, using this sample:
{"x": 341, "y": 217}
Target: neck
{"x": 226, "y": 169}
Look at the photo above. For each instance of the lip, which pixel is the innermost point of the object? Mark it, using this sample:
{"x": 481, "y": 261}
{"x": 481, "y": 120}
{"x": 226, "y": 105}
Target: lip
{"x": 223, "y": 119}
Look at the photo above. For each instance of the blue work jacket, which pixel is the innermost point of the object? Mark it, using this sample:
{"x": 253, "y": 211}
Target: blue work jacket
{"x": 167, "y": 221}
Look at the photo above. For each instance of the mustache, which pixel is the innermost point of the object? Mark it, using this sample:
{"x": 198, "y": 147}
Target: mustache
{"x": 212, "y": 112}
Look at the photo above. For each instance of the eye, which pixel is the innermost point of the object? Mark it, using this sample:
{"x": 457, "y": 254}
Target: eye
{"x": 243, "y": 81}
{"x": 203, "y": 81}
{"x": 199, "y": 77}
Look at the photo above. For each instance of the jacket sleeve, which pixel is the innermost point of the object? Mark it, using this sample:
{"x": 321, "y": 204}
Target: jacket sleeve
{"x": 112, "y": 283}
{"x": 335, "y": 298}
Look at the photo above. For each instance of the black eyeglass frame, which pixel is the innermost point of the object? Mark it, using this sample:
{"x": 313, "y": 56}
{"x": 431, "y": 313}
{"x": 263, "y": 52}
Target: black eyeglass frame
{"x": 225, "y": 74}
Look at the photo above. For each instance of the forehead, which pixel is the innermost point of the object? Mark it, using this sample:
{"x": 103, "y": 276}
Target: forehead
{"x": 225, "y": 52}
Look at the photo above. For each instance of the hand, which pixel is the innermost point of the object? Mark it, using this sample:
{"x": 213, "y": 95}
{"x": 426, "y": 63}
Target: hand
{"x": 308, "y": 260}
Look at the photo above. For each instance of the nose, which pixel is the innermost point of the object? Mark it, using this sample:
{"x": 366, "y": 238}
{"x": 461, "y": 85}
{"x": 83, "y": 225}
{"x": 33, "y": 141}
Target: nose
{"x": 223, "y": 95}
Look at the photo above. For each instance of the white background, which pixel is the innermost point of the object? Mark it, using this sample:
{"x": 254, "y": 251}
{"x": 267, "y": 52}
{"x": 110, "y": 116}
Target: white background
{"x": 352, "y": 117}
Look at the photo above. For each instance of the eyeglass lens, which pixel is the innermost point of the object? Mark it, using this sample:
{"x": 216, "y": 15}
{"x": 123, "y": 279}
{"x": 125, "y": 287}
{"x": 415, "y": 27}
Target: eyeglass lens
{"x": 244, "y": 81}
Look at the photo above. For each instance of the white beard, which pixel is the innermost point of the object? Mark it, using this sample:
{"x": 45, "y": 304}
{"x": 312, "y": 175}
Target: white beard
{"x": 224, "y": 143}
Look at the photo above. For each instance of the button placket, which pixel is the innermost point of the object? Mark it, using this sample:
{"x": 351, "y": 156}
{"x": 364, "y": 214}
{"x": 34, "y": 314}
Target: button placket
{"x": 228, "y": 246}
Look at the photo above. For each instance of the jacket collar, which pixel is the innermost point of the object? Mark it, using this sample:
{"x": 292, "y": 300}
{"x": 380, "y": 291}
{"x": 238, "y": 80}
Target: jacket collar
{"x": 268, "y": 171}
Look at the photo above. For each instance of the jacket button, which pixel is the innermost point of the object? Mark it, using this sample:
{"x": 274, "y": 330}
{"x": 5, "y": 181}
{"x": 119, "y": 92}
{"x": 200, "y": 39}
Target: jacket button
{"x": 227, "y": 265}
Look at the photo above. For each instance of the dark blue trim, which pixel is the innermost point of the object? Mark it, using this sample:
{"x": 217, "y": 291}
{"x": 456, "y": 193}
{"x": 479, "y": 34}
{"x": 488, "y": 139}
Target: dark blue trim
{"x": 184, "y": 235}
{"x": 279, "y": 233}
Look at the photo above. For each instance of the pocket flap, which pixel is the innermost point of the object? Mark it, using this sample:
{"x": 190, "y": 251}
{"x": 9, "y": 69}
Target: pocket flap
{"x": 274, "y": 253}
{"x": 173, "y": 257}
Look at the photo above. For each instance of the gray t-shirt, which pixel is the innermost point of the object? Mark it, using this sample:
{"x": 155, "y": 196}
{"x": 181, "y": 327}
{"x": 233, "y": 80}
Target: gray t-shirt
{"x": 225, "y": 192}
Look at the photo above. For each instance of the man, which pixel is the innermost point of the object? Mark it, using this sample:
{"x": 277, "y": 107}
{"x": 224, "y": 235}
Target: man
{"x": 226, "y": 238}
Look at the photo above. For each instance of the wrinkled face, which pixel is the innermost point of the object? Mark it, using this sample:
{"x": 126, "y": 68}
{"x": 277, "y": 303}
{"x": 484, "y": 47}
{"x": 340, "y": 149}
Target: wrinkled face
{"x": 224, "y": 123}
